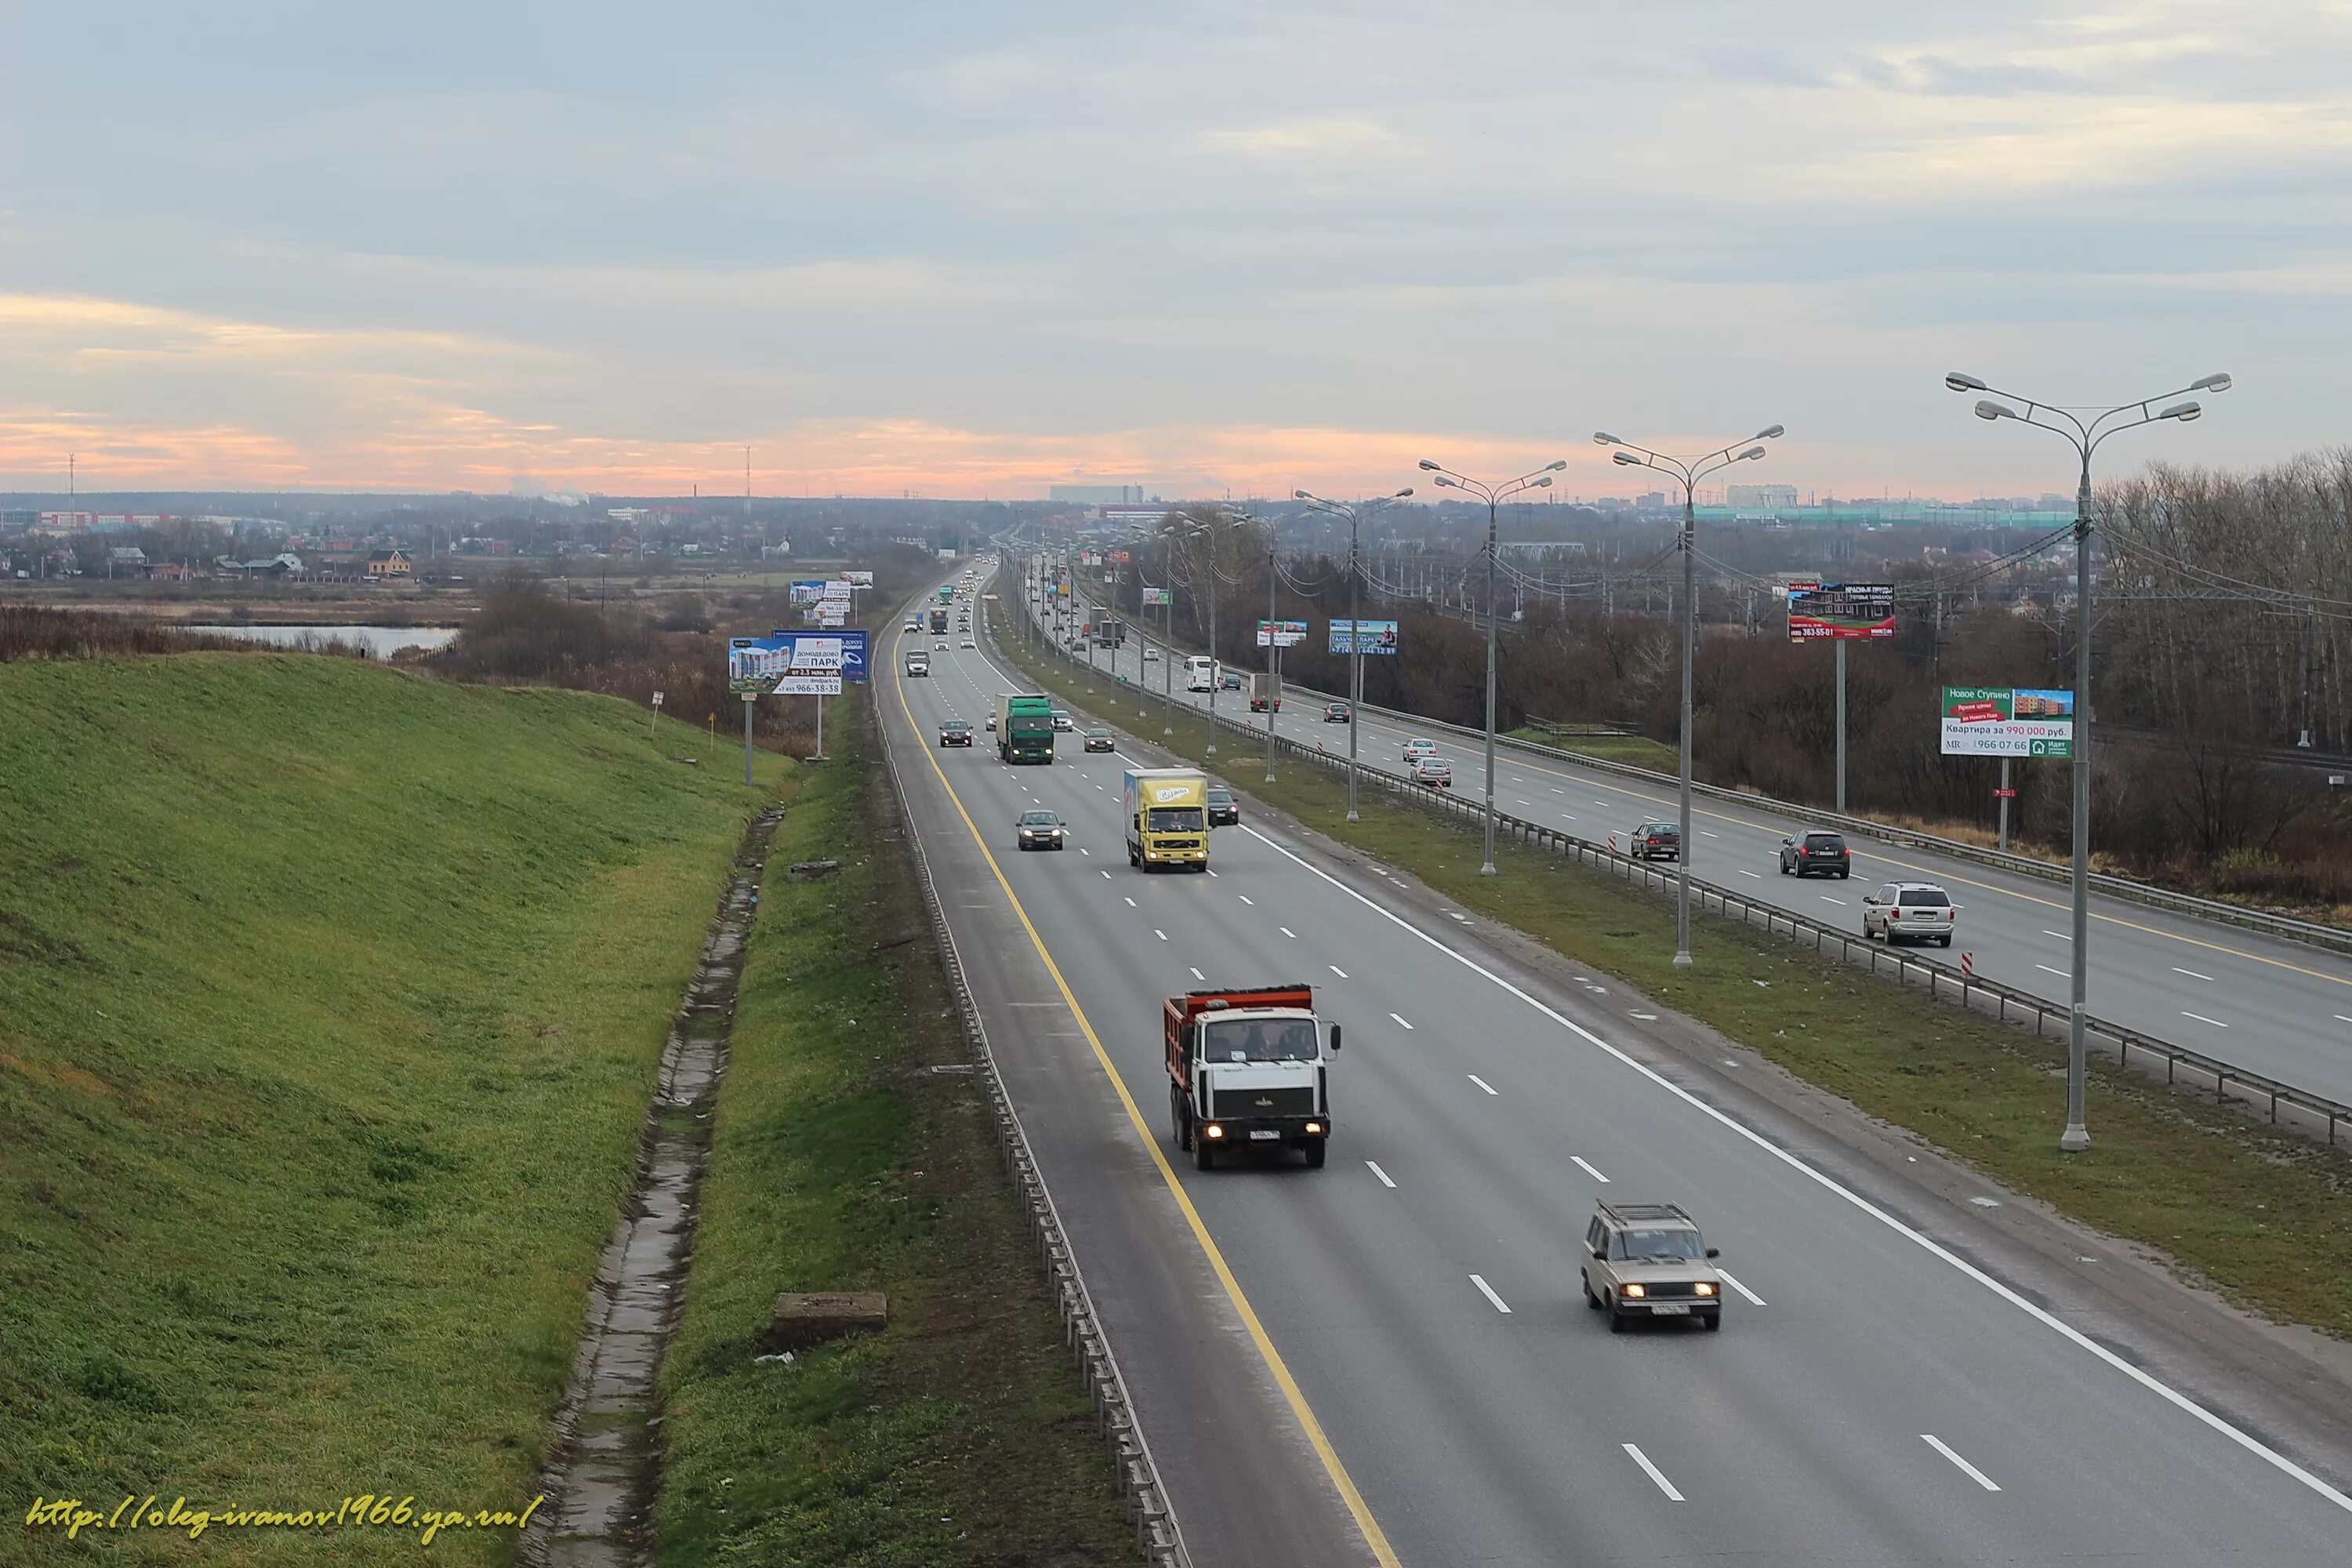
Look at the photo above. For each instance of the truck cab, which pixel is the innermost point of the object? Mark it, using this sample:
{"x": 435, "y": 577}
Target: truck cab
{"x": 1249, "y": 1068}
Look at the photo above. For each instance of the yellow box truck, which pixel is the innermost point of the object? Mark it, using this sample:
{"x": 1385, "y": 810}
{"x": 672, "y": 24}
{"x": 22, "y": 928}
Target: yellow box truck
{"x": 1167, "y": 817}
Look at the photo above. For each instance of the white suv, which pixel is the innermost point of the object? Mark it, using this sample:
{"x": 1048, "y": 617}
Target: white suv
{"x": 1910, "y": 912}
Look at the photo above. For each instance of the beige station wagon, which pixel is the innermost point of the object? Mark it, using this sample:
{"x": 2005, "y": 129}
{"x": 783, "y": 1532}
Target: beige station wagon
{"x": 1646, "y": 1260}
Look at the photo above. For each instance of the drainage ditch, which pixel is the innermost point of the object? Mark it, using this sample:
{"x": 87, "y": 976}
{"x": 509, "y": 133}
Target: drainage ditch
{"x": 600, "y": 1479}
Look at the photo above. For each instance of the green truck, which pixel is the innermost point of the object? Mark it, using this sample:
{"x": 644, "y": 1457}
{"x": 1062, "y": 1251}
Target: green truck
{"x": 1024, "y": 727}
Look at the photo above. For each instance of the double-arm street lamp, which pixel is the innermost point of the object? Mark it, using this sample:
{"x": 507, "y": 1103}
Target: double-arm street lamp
{"x": 1494, "y": 496}
{"x": 1355, "y": 515}
{"x": 2086, "y": 435}
{"x": 1687, "y": 472}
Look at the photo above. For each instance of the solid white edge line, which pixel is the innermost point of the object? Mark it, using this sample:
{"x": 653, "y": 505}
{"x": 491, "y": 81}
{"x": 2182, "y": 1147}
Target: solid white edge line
{"x": 1376, "y": 1171}
{"x": 1966, "y": 1468}
{"x": 1482, "y": 1083}
{"x": 2172, "y": 1397}
{"x": 1652, "y": 1471}
{"x": 1753, "y": 1299}
{"x": 1586, "y": 1166}
{"x": 1488, "y": 1291}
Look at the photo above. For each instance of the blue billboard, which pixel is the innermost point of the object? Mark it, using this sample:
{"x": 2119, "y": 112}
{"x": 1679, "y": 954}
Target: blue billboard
{"x": 1363, "y": 636}
{"x": 795, "y": 663}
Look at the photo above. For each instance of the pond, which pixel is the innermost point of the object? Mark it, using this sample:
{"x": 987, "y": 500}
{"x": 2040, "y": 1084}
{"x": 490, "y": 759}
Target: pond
{"x": 381, "y": 642}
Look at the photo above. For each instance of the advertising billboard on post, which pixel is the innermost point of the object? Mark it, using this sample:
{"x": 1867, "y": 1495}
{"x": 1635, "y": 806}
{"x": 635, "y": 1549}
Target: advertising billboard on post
{"x": 1281, "y": 634}
{"x": 1833, "y": 611}
{"x": 1363, "y": 636}
{"x": 757, "y": 667}
{"x": 807, "y": 590}
{"x": 2006, "y": 721}
{"x": 1153, "y": 597}
{"x": 858, "y": 579}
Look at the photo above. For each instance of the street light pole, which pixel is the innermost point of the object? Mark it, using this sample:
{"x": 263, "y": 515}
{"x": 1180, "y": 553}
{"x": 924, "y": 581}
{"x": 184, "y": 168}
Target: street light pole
{"x": 1355, "y": 515}
{"x": 1687, "y": 472}
{"x": 1494, "y": 496}
{"x": 2085, "y": 436}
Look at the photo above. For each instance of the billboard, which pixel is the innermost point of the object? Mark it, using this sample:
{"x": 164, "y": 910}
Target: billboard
{"x": 858, "y": 579}
{"x": 1281, "y": 634}
{"x": 1832, "y": 611}
{"x": 807, "y": 590}
{"x": 1157, "y": 596}
{"x": 758, "y": 666}
{"x": 2004, "y": 721}
{"x": 1363, "y": 636}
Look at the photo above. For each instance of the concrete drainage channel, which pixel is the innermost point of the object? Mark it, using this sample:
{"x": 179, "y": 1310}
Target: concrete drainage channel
{"x": 1155, "y": 1534}
{"x": 601, "y": 1481}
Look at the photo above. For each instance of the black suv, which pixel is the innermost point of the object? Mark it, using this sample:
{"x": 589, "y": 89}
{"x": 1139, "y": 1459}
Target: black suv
{"x": 1657, "y": 841}
{"x": 1816, "y": 851}
{"x": 1223, "y": 810}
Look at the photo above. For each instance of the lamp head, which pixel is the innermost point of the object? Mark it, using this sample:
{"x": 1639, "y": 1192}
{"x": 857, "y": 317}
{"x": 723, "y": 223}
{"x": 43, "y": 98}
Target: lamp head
{"x": 1750, "y": 454}
{"x": 2217, "y": 382}
{"x": 1625, "y": 459}
{"x": 1427, "y": 467}
{"x": 1988, "y": 409}
{"x": 1556, "y": 466}
{"x": 1772, "y": 432}
{"x": 1443, "y": 482}
{"x": 2184, "y": 412}
{"x": 1603, "y": 438}
{"x": 1959, "y": 382}
{"x": 1402, "y": 493}
{"x": 1300, "y": 495}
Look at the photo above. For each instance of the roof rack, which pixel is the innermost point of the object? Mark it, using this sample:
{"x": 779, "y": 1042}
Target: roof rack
{"x": 1637, "y": 1214}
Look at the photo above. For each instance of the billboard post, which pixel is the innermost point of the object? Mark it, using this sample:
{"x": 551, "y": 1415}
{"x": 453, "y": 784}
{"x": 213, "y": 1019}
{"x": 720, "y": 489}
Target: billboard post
{"x": 1841, "y": 740}
{"x": 748, "y": 698}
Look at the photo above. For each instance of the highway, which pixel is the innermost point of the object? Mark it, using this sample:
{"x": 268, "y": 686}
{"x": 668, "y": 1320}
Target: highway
{"x": 2276, "y": 1007}
{"x": 1388, "y": 1359}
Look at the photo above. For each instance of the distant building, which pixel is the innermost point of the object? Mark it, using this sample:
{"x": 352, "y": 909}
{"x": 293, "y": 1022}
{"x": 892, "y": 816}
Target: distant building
{"x": 388, "y": 565}
{"x": 1759, "y": 498}
{"x": 1097, "y": 495}
{"x": 126, "y": 562}
{"x": 1132, "y": 513}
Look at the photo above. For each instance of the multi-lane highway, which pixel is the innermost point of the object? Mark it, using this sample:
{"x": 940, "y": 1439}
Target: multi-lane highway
{"x": 2279, "y": 1008}
{"x": 1387, "y": 1359}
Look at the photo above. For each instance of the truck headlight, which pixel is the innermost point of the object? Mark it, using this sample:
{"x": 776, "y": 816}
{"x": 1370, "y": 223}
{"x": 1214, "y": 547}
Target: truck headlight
{"x": 1213, "y": 1131}
{"x": 1704, "y": 1288}
{"x": 1315, "y": 1127}
{"x": 1636, "y": 1290}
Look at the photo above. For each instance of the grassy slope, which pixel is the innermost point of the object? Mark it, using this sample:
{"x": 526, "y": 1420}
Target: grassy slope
{"x": 2266, "y": 1216}
{"x": 960, "y": 1436}
{"x": 1638, "y": 750}
{"x": 329, "y": 1001}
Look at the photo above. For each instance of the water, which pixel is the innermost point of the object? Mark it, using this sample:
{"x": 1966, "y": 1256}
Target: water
{"x": 381, "y": 642}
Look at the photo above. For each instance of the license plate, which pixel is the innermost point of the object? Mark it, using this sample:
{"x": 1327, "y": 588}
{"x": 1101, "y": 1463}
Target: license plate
{"x": 1670, "y": 1310}
{"x": 1265, "y": 1135}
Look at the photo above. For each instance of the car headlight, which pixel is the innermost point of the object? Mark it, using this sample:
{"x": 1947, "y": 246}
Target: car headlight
{"x": 1636, "y": 1290}
{"x": 1704, "y": 1288}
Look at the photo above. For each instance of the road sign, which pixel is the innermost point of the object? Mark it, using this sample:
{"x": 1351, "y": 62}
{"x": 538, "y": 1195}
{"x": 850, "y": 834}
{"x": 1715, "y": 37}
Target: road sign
{"x": 2004, "y": 795}
{"x": 2004, "y": 721}
{"x": 1833, "y": 611}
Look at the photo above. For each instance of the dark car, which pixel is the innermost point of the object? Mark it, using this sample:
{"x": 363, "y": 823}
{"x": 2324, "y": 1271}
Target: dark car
{"x": 954, "y": 733}
{"x": 1233, "y": 683}
{"x": 1657, "y": 841}
{"x": 1336, "y": 713}
{"x": 1039, "y": 831}
{"x": 1817, "y": 851}
{"x": 1099, "y": 740}
{"x": 1223, "y": 810}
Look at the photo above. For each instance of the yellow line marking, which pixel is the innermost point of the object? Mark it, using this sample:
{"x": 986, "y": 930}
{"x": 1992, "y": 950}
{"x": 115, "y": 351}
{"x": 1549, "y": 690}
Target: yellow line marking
{"x": 1374, "y": 1537}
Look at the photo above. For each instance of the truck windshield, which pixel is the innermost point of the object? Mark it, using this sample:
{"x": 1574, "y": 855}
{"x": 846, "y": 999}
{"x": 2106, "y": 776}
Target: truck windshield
{"x": 1173, "y": 819}
{"x": 1259, "y": 1040}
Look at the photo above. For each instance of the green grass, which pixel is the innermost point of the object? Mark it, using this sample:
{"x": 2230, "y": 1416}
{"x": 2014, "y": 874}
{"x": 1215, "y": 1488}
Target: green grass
{"x": 2263, "y": 1216}
{"x": 331, "y": 1000}
{"x": 1639, "y": 750}
{"x": 961, "y": 1435}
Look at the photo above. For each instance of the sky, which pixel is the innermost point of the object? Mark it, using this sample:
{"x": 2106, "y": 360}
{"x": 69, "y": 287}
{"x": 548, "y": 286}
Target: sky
{"x": 964, "y": 250}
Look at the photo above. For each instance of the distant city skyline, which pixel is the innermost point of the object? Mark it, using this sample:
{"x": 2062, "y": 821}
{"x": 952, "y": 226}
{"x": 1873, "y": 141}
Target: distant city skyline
{"x": 972, "y": 253}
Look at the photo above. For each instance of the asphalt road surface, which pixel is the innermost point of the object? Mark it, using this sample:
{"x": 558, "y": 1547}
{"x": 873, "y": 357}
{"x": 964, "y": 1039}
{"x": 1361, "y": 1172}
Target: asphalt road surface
{"x": 1388, "y": 1359}
{"x": 2278, "y": 1008}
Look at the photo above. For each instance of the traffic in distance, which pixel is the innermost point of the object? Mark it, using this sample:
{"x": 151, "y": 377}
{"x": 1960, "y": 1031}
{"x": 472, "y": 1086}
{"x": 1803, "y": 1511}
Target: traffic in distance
{"x": 1514, "y": 1169}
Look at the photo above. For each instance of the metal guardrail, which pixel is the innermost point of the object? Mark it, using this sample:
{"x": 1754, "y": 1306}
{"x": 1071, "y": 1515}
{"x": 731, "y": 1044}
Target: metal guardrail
{"x": 2311, "y": 933}
{"x": 1157, "y": 1537}
{"x": 2283, "y": 1105}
